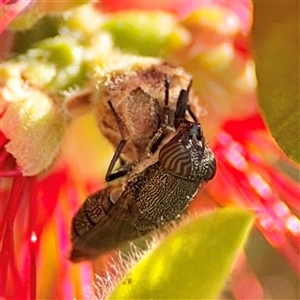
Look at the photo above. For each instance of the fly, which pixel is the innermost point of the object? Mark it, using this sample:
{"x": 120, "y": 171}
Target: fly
{"x": 144, "y": 195}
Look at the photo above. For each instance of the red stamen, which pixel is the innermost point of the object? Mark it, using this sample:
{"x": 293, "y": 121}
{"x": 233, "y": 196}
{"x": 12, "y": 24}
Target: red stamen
{"x": 7, "y": 253}
{"x": 10, "y": 173}
{"x": 4, "y": 156}
{"x": 259, "y": 186}
{"x": 32, "y": 247}
{"x": 287, "y": 189}
{"x": 32, "y": 239}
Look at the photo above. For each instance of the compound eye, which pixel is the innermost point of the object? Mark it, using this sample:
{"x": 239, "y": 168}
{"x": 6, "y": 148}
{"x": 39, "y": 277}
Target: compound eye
{"x": 176, "y": 159}
{"x": 211, "y": 167}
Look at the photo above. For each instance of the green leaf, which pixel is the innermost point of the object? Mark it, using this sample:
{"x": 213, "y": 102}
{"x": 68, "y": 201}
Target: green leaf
{"x": 276, "y": 49}
{"x": 146, "y": 33}
{"x": 193, "y": 262}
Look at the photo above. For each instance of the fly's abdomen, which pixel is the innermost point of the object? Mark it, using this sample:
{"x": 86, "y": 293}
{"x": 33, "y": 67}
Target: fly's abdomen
{"x": 92, "y": 211}
{"x": 101, "y": 225}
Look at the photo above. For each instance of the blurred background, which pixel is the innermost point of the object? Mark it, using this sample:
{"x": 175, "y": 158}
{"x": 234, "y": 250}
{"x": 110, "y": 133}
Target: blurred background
{"x": 244, "y": 59}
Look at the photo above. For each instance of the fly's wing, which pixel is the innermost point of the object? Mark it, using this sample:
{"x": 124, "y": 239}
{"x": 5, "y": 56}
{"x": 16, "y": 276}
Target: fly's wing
{"x": 100, "y": 225}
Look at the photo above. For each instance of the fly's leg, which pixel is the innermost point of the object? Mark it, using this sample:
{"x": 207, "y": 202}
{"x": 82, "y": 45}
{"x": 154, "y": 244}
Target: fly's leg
{"x": 110, "y": 175}
{"x": 166, "y": 110}
{"x": 183, "y": 106}
{"x": 160, "y": 134}
{"x": 189, "y": 109}
{"x": 192, "y": 114}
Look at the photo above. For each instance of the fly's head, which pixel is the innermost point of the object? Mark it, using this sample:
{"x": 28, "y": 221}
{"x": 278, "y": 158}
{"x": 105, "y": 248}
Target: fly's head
{"x": 186, "y": 155}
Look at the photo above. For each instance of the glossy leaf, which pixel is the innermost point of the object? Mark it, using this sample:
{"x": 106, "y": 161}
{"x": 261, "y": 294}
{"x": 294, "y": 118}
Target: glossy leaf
{"x": 276, "y": 49}
{"x": 191, "y": 263}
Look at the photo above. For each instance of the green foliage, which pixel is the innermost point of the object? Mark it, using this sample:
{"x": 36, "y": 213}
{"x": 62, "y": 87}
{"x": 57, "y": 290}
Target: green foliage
{"x": 276, "y": 49}
{"x": 191, "y": 263}
{"x": 146, "y": 33}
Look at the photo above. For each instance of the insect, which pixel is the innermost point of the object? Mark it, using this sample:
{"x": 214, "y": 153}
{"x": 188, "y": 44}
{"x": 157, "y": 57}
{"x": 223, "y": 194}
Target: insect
{"x": 157, "y": 189}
